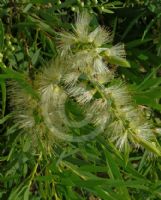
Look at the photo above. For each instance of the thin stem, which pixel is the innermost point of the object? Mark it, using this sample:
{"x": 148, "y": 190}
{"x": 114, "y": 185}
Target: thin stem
{"x": 35, "y": 170}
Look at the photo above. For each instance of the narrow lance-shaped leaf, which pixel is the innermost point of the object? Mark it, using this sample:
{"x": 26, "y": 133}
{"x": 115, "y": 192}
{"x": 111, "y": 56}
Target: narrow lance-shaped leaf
{"x": 1, "y": 35}
{"x": 118, "y": 61}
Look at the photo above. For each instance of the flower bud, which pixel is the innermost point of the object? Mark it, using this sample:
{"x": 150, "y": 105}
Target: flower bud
{"x": 73, "y": 8}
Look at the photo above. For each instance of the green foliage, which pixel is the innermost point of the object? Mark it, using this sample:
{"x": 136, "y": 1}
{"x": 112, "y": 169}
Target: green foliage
{"x": 95, "y": 169}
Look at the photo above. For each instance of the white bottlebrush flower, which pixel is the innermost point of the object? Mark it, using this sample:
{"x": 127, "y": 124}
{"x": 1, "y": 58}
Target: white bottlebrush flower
{"x": 122, "y": 141}
{"x": 83, "y": 60}
{"x": 130, "y": 112}
{"x": 99, "y": 113}
{"x": 25, "y": 120}
{"x": 76, "y": 91}
{"x": 99, "y": 65}
{"x": 82, "y": 38}
{"x": 51, "y": 74}
{"x": 104, "y": 77}
{"x": 145, "y": 132}
{"x": 47, "y": 93}
{"x": 116, "y": 128}
{"x": 66, "y": 41}
{"x": 48, "y": 80}
{"x": 98, "y": 105}
{"x": 118, "y": 134}
{"x": 81, "y": 72}
{"x": 71, "y": 78}
{"x": 27, "y": 114}
{"x": 100, "y": 36}
{"x": 86, "y": 97}
{"x": 55, "y": 105}
{"x": 84, "y": 47}
{"x": 142, "y": 130}
{"x": 82, "y": 25}
{"x": 100, "y": 119}
{"x": 118, "y": 50}
{"x": 88, "y": 62}
{"x": 53, "y": 108}
{"x": 119, "y": 94}
{"x": 23, "y": 106}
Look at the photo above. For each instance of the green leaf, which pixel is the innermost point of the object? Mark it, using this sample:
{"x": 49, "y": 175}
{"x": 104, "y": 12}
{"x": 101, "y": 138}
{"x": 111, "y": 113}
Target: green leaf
{"x": 118, "y": 61}
{"x": 148, "y": 101}
{"x": 3, "y": 88}
{"x": 150, "y": 25}
{"x": 131, "y": 24}
{"x": 35, "y": 57}
{"x": 137, "y": 42}
{"x": 153, "y": 147}
{"x": 153, "y": 93}
{"x": 40, "y": 1}
{"x": 105, "y": 10}
{"x": 147, "y": 84}
{"x": 41, "y": 24}
{"x": 4, "y": 119}
{"x": 1, "y": 35}
{"x": 26, "y": 194}
{"x": 27, "y": 8}
{"x": 114, "y": 172}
